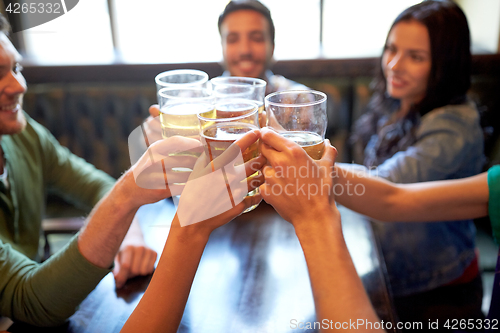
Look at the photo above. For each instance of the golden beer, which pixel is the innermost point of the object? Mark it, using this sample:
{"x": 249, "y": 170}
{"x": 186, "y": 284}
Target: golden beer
{"x": 261, "y": 107}
{"x": 233, "y": 108}
{"x": 233, "y": 118}
{"x": 182, "y": 119}
{"x": 311, "y": 142}
{"x": 262, "y": 116}
{"x": 226, "y": 112}
{"x": 220, "y": 136}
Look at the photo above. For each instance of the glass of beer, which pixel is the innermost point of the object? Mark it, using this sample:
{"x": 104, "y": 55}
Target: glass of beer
{"x": 232, "y": 119}
{"x": 185, "y": 77}
{"x": 232, "y": 87}
{"x": 179, "y": 108}
{"x": 300, "y": 116}
{"x": 181, "y": 78}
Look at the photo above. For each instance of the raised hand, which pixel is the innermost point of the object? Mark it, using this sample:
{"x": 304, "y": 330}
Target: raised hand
{"x": 218, "y": 188}
{"x": 297, "y": 186}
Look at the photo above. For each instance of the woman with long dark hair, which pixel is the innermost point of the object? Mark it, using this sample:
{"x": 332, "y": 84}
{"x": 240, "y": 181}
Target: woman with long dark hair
{"x": 421, "y": 127}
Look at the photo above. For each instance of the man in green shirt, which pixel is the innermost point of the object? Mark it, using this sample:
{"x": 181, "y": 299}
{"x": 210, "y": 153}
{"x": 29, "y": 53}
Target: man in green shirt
{"x": 47, "y": 294}
{"x": 32, "y": 162}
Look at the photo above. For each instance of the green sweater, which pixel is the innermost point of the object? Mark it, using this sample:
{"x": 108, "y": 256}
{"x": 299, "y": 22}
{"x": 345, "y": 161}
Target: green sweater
{"x": 43, "y": 294}
{"x": 37, "y": 163}
{"x": 494, "y": 200}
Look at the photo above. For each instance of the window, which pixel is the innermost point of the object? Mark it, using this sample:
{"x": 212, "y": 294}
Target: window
{"x": 358, "y": 28}
{"x": 484, "y": 23}
{"x": 168, "y": 31}
{"x": 297, "y": 26}
{"x": 81, "y": 36}
{"x": 153, "y": 31}
{"x": 171, "y": 31}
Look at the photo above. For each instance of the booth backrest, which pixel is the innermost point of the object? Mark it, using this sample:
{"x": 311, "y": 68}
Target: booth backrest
{"x": 92, "y": 110}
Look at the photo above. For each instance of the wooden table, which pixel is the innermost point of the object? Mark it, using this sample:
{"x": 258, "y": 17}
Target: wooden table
{"x": 252, "y": 277}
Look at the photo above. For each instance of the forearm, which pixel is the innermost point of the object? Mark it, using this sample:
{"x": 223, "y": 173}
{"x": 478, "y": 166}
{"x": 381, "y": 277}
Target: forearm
{"x": 424, "y": 202}
{"x": 162, "y": 306}
{"x": 366, "y": 194}
{"x": 107, "y": 225}
{"x": 134, "y": 232}
{"x": 46, "y": 294}
{"x": 445, "y": 200}
{"x": 338, "y": 292}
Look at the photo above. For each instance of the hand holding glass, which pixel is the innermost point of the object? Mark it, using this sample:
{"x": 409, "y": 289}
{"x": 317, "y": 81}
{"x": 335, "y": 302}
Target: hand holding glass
{"x": 300, "y": 116}
{"x": 231, "y": 120}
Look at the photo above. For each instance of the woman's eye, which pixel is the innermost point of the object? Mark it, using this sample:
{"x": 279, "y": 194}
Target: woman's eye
{"x": 417, "y": 57}
{"x": 390, "y": 48}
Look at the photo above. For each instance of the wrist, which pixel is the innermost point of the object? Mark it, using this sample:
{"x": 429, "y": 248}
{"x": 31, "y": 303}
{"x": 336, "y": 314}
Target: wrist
{"x": 122, "y": 192}
{"x": 192, "y": 233}
{"x": 317, "y": 221}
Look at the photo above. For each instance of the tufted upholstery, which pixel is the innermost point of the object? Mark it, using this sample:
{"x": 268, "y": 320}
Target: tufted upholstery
{"x": 93, "y": 121}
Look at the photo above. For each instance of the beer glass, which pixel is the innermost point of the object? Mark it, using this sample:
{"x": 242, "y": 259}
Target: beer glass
{"x": 181, "y": 78}
{"x": 300, "y": 116}
{"x": 233, "y": 119}
{"x": 179, "y": 108}
{"x": 185, "y": 77}
{"x": 231, "y": 87}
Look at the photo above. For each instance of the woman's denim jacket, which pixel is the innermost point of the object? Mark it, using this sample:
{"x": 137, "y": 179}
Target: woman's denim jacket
{"x": 423, "y": 256}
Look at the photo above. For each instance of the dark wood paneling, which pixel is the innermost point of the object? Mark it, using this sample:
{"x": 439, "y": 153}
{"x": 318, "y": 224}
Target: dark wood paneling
{"x": 320, "y": 68}
{"x": 486, "y": 64}
{"x": 108, "y": 73}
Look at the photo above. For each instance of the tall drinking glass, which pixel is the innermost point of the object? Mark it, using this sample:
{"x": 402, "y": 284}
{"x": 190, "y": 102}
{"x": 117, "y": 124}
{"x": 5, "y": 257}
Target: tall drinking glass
{"x": 179, "y": 108}
{"x": 185, "y": 77}
{"x": 233, "y": 119}
{"x": 179, "y": 78}
{"x": 253, "y": 89}
{"x": 299, "y": 115}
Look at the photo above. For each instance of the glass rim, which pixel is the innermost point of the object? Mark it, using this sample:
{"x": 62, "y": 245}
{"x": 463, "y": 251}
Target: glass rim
{"x": 220, "y": 120}
{"x": 284, "y": 92}
{"x": 162, "y": 91}
{"x": 254, "y": 81}
{"x": 203, "y": 75}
